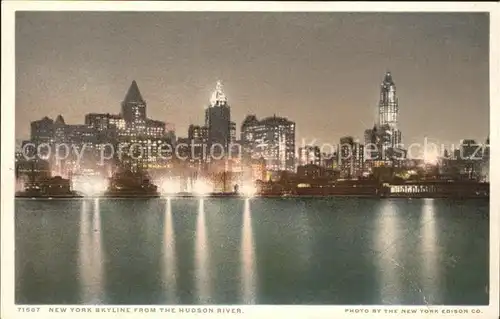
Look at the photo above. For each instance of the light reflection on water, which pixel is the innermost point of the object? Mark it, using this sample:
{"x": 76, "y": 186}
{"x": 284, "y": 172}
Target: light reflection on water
{"x": 203, "y": 284}
{"x": 429, "y": 246}
{"x": 264, "y": 246}
{"x": 248, "y": 263}
{"x": 388, "y": 233}
{"x": 91, "y": 253}
{"x": 169, "y": 255}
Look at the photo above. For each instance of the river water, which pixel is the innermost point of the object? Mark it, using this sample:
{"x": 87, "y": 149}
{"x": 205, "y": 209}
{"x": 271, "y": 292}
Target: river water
{"x": 336, "y": 251}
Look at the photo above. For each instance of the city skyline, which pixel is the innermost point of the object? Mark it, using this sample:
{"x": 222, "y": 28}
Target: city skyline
{"x": 92, "y": 79}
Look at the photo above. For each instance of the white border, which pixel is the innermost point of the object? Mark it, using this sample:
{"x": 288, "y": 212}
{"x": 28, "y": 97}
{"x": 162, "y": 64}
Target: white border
{"x": 8, "y": 310}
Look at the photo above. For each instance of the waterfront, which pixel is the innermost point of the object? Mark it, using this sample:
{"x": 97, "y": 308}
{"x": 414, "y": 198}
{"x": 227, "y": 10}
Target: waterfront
{"x": 341, "y": 251}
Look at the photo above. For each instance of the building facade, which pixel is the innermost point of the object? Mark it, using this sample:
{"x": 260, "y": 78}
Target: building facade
{"x": 42, "y": 131}
{"x": 134, "y": 107}
{"x": 351, "y": 158}
{"x": 272, "y": 139}
{"x": 218, "y": 122}
{"x": 309, "y": 155}
{"x": 388, "y": 112}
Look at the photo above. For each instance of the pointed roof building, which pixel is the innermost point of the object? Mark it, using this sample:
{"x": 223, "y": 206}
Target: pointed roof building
{"x": 134, "y": 106}
{"x": 60, "y": 120}
{"x": 218, "y": 96}
{"x": 249, "y": 120}
{"x": 133, "y": 94}
{"x": 388, "y": 79}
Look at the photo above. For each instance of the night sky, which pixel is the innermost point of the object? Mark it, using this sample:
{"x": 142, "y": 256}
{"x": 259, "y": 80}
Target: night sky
{"x": 321, "y": 70}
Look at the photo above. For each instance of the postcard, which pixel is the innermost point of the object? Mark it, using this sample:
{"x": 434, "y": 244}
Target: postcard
{"x": 240, "y": 159}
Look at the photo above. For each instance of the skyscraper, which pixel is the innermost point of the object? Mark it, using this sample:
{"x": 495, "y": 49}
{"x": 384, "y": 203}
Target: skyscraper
{"x": 351, "y": 157}
{"x": 273, "y": 139}
{"x": 388, "y": 111}
{"x": 42, "y": 131}
{"x": 247, "y": 138}
{"x": 218, "y": 121}
{"x": 388, "y": 104}
{"x": 372, "y": 148}
{"x": 134, "y": 107}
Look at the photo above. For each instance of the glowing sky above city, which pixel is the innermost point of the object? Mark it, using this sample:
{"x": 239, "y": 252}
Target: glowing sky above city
{"x": 321, "y": 70}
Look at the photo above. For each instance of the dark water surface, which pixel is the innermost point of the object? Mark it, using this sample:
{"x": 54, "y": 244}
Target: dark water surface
{"x": 340, "y": 251}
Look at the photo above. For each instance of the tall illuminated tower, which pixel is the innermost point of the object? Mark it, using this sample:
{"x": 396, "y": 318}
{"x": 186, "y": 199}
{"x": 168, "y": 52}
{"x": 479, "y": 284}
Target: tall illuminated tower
{"x": 388, "y": 105}
{"x": 388, "y": 113}
{"x": 218, "y": 120}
